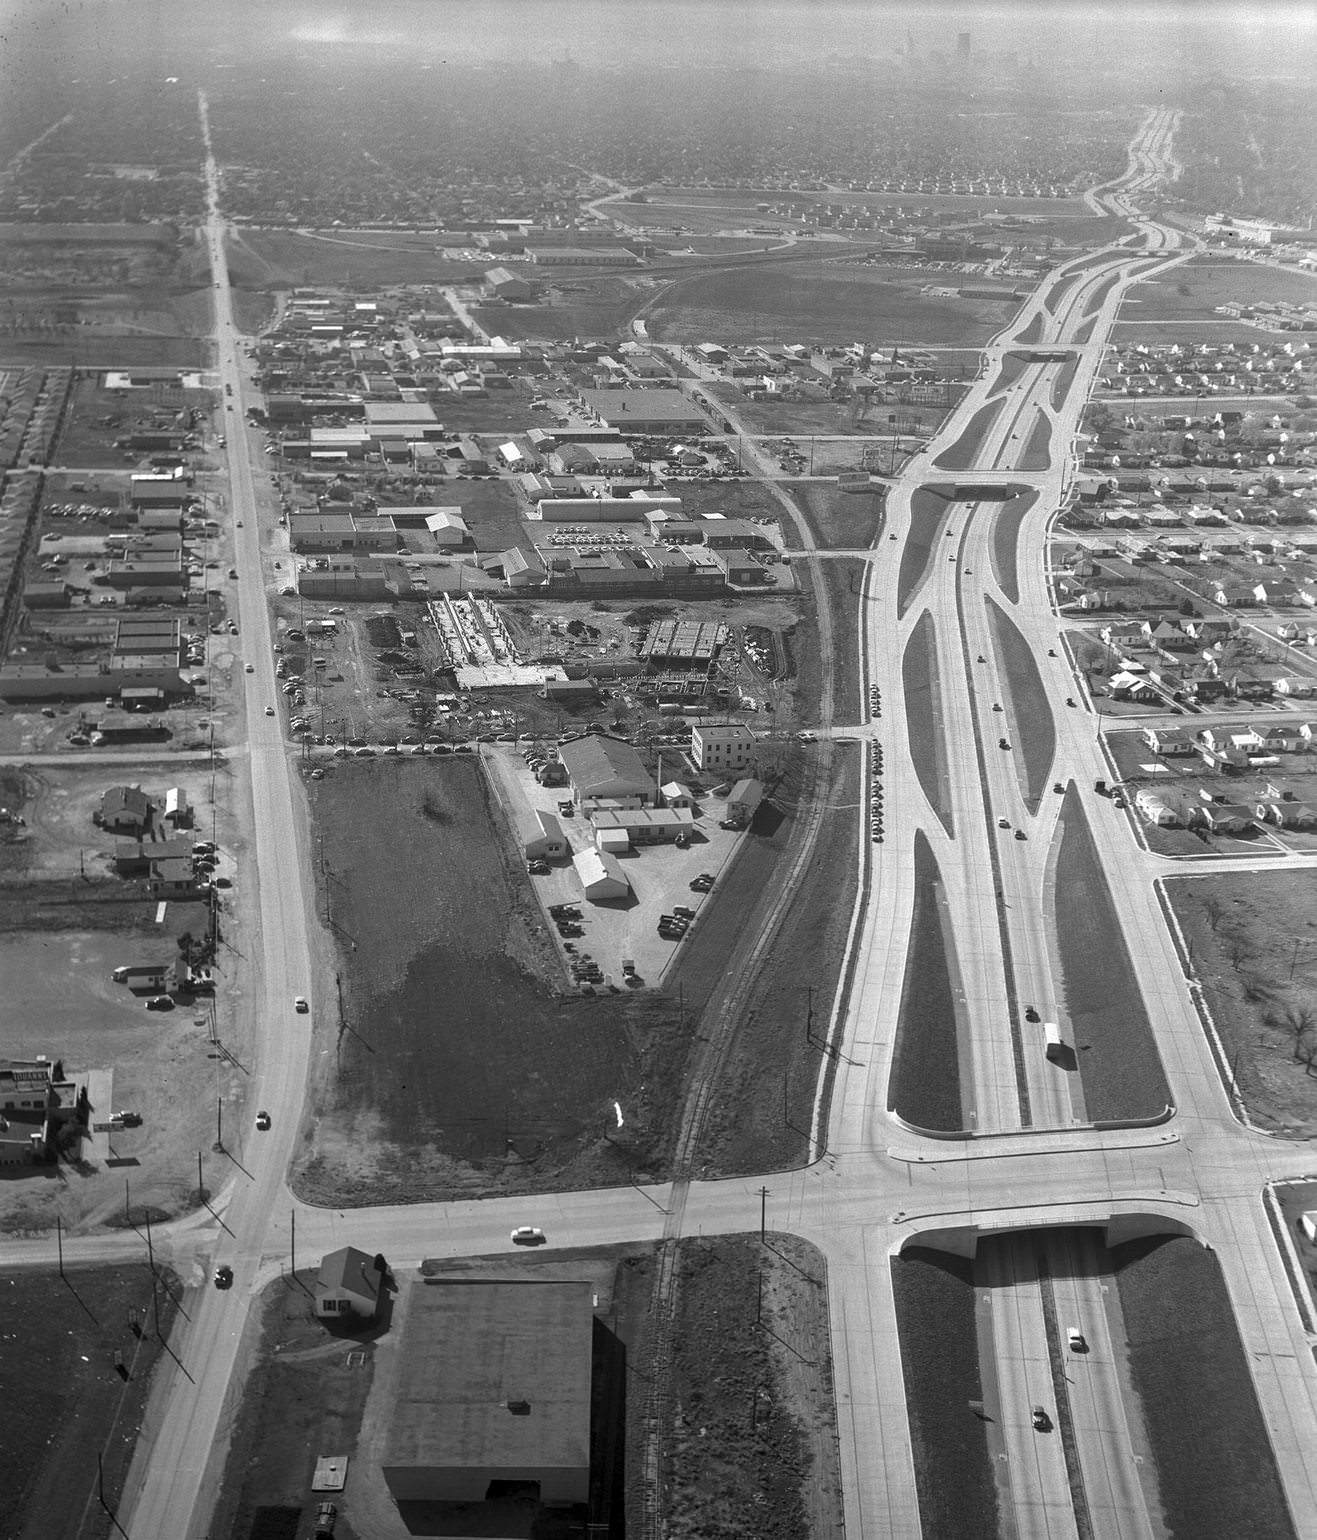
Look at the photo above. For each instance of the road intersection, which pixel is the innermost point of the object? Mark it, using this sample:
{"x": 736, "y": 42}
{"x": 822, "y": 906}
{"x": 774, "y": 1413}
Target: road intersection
{"x": 880, "y": 1184}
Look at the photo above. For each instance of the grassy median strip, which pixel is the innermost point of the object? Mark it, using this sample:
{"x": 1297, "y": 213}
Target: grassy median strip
{"x": 934, "y": 1297}
{"x": 1215, "y": 1467}
{"x": 930, "y": 507}
{"x": 1006, "y": 540}
{"x": 1031, "y": 715}
{"x": 923, "y": 716}
{"x": 965, "y": 451}
{"x": 1115, "y": 1051}
{"x": 925, "y": 1087}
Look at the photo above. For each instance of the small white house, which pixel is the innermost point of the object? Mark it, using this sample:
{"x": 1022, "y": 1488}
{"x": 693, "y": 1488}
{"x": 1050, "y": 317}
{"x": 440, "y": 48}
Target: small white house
{"x": 542, "y": 838}
{"x": 675, "y": 795}
{"x": 602, "y": 877}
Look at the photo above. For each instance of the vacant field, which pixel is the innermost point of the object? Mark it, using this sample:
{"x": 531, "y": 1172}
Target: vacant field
{"x": 804, "y": 302}
{"x": 750, "y": 1442}
{"x": 1215, "y": 1470}
{"x": 455, "y": 1069}
{"x": 67, "y": 1395}
{"x": 358, "y": 261}
{"x": 1030, "y": 714}
{"x": 965, "y": 451}
{"x": 759, "y": 1120}
{"x": 1132, "y": 330}
{"x": 923, "y": 712}
{"x": 1192, "y": 291}
{"x": 935, "y": 1314}
{"x": 490, "y": 508}
{"x": 925, "y": 1087}
{"x": 930, "y": 508}
{"x": 840, "y": 521}
{"x": 1253, "y": 943}
{"x": 1006, "y": 541}
{"x": 843, "y": 582}
{"x": 1114, "y": 1049}
{"x": 733, "y": 499}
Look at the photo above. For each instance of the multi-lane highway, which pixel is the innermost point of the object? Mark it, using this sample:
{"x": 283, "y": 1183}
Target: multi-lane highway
{"x": 1034, "y": 1165}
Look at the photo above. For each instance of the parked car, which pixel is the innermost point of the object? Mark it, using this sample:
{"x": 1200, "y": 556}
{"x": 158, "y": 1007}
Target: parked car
{"x": 160, "y": 1003}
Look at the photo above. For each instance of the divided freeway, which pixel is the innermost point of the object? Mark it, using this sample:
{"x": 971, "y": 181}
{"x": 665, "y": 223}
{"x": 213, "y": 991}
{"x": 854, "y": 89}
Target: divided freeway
{"x": 1036, "y": 1165}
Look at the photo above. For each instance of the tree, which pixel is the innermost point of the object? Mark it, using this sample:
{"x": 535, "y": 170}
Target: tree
{"x": 1297, "y": 1022}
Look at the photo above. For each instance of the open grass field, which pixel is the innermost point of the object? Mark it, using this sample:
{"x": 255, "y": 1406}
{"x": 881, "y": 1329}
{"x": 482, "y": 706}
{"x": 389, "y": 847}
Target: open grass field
{"x": 923, "y": 715}
{"x": 1114, "y": 1049}
{"x": 925, "y": 1087}
{"x": 1098, "y": 296}
{"x": 1007, "y": 518}
{"x": 760, "y": 1117}
{"x": 358, "y": 260}
{"x": 935, "y": 1297}
{"x": 965, "y": 451}
{"x": 930, "y": 508}
{"x": 1033, "y": 731}
{"x": 841, "y": 521}
{"x": 1216, "y": 1474}
{"x": 1032, "y": 332}
{"x": 1253, "y": 941}
{"x": 67, "y": 1397}
{"x": 816, "y": 302}
{"x": 456, "y": 1070}
{"x": 748, "y": 1443}
{"x": 1192, "y": 291}
{"x": 843, "y": 582}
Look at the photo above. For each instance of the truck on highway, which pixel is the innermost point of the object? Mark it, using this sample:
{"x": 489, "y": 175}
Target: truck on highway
{"x": 1055, "y": 1043}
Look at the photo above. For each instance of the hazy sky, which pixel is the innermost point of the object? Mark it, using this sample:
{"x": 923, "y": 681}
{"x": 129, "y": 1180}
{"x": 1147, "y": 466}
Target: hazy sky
{"x": 1249, "y": 37}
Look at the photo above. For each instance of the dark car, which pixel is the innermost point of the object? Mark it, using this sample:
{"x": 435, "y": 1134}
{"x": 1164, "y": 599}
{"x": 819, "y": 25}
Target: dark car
{"x": 1041, "y": 1421}
{"x": 160, "y": 1003}
{"x": 224, "y": 1277}
{"x": 1031, "y": 1014}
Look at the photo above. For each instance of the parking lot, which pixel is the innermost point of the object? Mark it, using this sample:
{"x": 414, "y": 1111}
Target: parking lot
{"x": 660, "y": 875}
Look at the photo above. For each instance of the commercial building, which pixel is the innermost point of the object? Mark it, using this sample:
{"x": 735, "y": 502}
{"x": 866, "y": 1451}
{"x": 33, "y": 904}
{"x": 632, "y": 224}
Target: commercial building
{"x": 542, "y": 838}
{"x": 606, "y": 772}
{"x": 642, "y": 825}
{"x": 743, "y": 802}
{"x": 602, "y": 878}
{"x": 582, "y": 256}
{"x": 645, "y": 411}
{"x": 493, "y": 1390}
{"x": 723, "y": 749}
{"x": 503, "y": 283}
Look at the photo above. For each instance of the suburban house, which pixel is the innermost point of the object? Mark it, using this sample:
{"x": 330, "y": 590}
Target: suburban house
{"x": 1150, "y": 803}
{"x": 1168, "y": 741}
{"x": 124, "y": 810}
{"x": 1286, "y": 813}
{"x": 348, "y": 1284}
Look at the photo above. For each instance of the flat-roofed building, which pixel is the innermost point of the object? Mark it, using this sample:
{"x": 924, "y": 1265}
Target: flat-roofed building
{"x": 723, "y": 747}
{"x": 646, "y": 411}
{"x": 493, "y": 1389}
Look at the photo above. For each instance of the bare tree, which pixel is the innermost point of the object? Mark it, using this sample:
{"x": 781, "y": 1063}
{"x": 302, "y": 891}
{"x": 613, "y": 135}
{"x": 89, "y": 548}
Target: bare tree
{"x": 1297, "y": 1022}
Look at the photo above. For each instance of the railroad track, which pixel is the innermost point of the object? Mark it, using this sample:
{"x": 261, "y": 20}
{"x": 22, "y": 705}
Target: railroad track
{"x": 723, "y": 1013}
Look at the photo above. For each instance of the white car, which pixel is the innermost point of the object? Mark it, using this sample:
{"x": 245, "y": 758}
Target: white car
{"x": 269, "y": 711}
{"x": 527, "y": 1235}
{"x": 300, "y": 1005}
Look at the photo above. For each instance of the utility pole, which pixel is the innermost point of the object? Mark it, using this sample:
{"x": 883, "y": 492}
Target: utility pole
{"x": 292, "y": 1250}
{"x": 763, "y": 1216}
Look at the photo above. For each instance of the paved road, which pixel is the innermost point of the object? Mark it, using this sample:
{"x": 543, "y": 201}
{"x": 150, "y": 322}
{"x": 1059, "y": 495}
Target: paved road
{"x": 881, "y": 1184}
